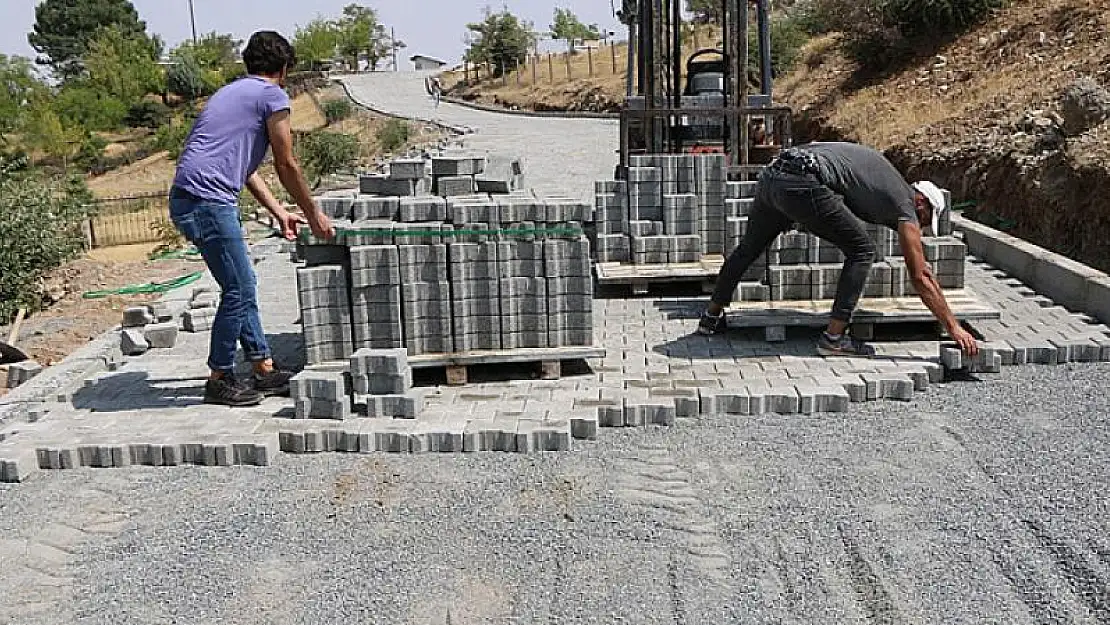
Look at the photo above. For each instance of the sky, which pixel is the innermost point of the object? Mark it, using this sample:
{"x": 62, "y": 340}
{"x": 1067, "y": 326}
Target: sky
{"x": 429, "y": 27}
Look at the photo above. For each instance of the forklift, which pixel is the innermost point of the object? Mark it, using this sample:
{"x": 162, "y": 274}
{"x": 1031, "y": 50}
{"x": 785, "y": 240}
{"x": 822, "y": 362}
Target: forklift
{"x": 714, "y": 110}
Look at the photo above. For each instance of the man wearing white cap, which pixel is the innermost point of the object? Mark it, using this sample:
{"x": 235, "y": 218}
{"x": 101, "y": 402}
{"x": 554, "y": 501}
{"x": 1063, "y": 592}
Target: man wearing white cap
{"x": 831, "y": 189}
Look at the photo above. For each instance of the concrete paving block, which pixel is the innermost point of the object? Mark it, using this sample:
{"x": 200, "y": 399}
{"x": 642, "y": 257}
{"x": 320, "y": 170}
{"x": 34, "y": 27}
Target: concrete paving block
{"x": 133, "y": 343}
{"x": 137, "y": 316}
{"x": 408, "y": 169}
{"x": 584, "y": 426}
{"x": 888, "y": 386}
{"x": 367, "y": 362}
{"x": 450, "y": 186}
{"x": 645, "y": 411}
{"x": 322, "y": 409}
{"x": 319, "y": 385}
{"x": 21, "y": 372}
{"x": 457, "y": 165}
{"x": 383, "y": 185}
{"x": 488, "y": 290}
{"x": 718, "y": 402}
{"x": 389, "y": 406}
{"x": 686, "y": 400}
{"x": 551, "y": 435}
{"x": 161, "y": 335}
{"x": 368, "y": 208}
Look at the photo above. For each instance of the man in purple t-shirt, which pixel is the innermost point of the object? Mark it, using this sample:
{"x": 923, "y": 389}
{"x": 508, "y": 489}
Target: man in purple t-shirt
{"x": 221, "y": 156}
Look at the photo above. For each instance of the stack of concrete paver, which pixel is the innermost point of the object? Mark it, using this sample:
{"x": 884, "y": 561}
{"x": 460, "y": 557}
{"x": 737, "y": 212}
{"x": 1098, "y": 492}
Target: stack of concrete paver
{"x": 680, "y": 209}
{"x": 451, "y": 174}
{"x": 154, "y": 327}
{"x": 671, "y": 209}
{"x": 435, "y": 276}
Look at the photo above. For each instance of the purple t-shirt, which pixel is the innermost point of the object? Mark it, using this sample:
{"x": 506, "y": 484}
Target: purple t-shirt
{"x": 229, "y": 140}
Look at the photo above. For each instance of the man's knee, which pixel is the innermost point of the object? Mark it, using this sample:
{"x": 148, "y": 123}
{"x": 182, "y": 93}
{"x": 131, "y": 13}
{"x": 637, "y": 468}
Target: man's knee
{"x": 862, "y": 252}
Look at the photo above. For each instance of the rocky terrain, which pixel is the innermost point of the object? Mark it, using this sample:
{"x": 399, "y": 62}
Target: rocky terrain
{"x": 1011, "y": 116}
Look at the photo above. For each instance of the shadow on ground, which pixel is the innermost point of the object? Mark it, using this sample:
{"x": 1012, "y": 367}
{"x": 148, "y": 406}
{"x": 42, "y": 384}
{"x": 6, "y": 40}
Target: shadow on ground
{"x": 136, "y": 390}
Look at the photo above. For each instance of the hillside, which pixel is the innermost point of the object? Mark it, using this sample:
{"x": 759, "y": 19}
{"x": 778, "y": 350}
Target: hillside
{"x": 981, "y": 114}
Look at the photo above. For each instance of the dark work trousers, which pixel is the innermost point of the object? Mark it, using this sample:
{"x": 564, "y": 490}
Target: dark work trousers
{"x": 785, "y": 197}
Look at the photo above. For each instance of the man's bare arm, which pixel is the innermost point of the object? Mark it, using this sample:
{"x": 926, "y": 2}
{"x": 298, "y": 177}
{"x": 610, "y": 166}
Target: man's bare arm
{"x": 261, "y": 192}
{"x": 291, "y": 176}
{"x": 928, "y": 289}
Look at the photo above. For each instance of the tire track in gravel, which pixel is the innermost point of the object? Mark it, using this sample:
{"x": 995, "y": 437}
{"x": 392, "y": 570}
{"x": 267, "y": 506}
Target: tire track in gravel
{"x": 1091, "y": 592}
{"x": 36, "y": 584}
{"x": 698, "y": 575}
{"x": 873, "y": 597}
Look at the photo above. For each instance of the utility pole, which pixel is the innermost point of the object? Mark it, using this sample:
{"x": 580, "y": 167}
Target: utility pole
{"x": 193, "y": 21}
{"x": 393, "y": 43}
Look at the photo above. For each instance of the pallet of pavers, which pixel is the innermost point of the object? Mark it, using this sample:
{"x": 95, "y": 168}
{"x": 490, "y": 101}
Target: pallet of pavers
{"x": 676, "y": 218}
{"x": 456, "y": 282}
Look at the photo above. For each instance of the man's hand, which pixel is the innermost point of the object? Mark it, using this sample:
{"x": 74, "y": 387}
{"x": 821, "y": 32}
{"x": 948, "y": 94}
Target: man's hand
{"x": 321, "y": 226}
{"x": 965, "y": 340}
{"x": 289, "y": 222}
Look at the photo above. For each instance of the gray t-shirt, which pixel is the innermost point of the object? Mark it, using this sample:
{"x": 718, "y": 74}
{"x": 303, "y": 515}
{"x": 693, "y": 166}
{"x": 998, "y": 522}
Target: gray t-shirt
{"x": 872, "y": 188}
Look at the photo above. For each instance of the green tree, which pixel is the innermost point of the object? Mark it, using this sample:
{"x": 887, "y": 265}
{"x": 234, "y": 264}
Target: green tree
{"x": 569, "y": 28}
{"x": 19, "y": 86}
{"x": 316, "y": 42}
{"x": 81, "y": 105}
{"x": 186, "y": 77}
{"x": 214, "y": 56}
{"x": 361, "y": 32}
{"x": 705, "y": 11}
{"x": 43, "y": 131}
{"x": 501, "y": 39}
{"x": 64, "y": 29}
{"x": 124, "y": 66}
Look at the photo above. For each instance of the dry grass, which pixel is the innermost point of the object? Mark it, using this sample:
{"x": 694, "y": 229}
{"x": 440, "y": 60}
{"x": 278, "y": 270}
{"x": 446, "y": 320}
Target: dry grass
{"x": 1017, "y": 61}
{"x": 559, "y": 81}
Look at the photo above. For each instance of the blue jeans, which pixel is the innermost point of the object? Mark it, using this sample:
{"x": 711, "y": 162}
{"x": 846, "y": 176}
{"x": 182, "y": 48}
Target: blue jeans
{"x": 215, "y": 230}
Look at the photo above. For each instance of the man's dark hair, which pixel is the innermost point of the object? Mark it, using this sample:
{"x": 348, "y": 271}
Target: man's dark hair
{"x": 268, "y": 53}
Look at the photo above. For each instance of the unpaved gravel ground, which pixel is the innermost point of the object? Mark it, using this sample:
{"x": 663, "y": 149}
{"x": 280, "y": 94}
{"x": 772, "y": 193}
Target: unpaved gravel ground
{"x": 979, "y": 502}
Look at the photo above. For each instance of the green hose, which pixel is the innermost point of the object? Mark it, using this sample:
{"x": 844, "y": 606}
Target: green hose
{"x": 189, "y": 254}
{"x": 150, "y": 287}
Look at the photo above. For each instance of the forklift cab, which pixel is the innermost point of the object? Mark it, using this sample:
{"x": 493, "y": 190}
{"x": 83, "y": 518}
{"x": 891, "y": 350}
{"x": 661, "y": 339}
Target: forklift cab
{"x": 705, "y": 73}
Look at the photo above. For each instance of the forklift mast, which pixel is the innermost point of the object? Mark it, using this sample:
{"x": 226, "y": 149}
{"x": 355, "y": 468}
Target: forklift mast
{"x": 659, "y": 114}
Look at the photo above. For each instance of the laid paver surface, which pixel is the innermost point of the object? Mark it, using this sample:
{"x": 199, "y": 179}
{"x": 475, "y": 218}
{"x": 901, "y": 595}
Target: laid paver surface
{"x": 973, "y": 502}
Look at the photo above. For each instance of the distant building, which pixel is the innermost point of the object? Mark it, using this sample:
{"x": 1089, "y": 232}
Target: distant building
{"x": 424, "y": 63}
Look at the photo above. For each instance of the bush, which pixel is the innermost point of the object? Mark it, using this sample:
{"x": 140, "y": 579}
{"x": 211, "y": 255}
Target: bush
{"x": 90, "y": 154}
{"x": 324, "y": 153}
{"x": 90, "y": 109}
{"x": 40, "y": 228}
{"x": 186, "y": 78}
{"x": 337, "y": 110}
{"x": 171, "y": 137}
{"x": 788, "y": 35}
{"x": 879, "y": 32}
{"x": 148, "y": 114}
{"x": 393, "y": 135}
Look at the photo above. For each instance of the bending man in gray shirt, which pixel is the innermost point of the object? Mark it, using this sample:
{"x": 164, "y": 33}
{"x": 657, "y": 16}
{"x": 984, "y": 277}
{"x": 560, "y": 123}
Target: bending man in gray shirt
{"x": 829, "y": 188}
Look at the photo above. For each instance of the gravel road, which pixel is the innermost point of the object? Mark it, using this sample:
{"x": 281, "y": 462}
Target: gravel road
{"x": 979, "y": 502}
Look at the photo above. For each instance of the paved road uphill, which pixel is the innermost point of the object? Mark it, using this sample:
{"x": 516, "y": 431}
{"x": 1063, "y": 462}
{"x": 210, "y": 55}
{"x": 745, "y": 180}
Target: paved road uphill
{"x": 973, "y": 502}
{"x": 560, "y": 156}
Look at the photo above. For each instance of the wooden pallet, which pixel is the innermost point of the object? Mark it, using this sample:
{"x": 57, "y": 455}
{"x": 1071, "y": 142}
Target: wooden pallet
{"x": 775, "y": 317}
{"x": 549, "y": 360}
{"x": 641, "y": 277}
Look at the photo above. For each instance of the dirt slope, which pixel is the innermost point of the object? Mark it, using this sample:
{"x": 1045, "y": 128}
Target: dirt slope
{"x": 981, "y": 115}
